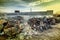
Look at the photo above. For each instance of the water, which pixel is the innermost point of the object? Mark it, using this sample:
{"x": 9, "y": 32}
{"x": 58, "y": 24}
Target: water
{"x": 27, "y": 17}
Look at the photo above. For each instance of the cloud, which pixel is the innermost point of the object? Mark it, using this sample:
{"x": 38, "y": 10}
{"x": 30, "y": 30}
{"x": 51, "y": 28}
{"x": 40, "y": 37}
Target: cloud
{"x": 21, "y": 4}
{"x": 25, "y": 3}
{"x": 29, "y": 0}
{"x": 12, "y": 3}
{"x": 38, "y": 2}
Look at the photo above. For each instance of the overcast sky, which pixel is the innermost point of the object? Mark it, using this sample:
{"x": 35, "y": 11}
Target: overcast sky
{"x": 25, "y": 5}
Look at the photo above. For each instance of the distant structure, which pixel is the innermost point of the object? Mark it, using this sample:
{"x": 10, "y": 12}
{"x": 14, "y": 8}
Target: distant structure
{"x": 49, "y": 11}
{"x": 17, "y": 12}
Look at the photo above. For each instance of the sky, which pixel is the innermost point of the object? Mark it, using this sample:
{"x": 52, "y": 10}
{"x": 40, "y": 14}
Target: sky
{"x": 26, "y": 5}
